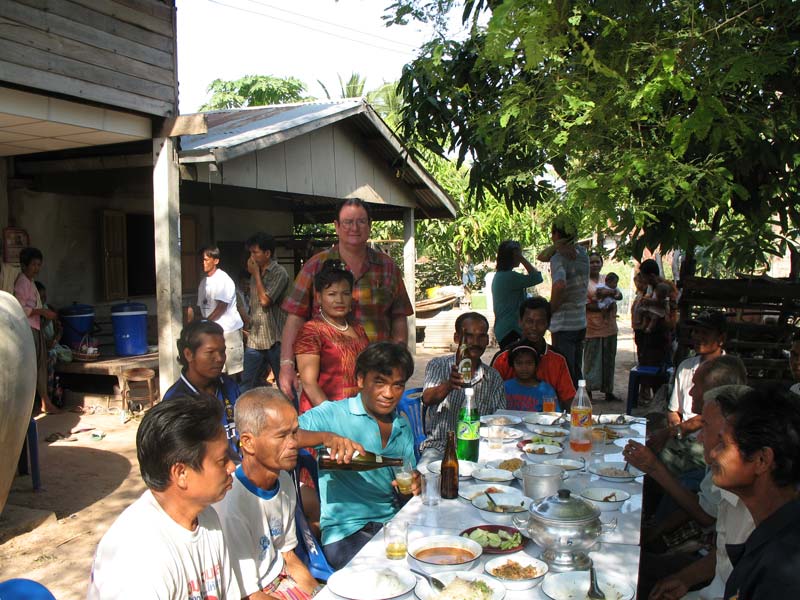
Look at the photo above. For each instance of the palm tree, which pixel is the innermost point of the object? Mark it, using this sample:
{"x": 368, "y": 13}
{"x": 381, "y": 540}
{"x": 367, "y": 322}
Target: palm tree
{"x": 353, "y": 88}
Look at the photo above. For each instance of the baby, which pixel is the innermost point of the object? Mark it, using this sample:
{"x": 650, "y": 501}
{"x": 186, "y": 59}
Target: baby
{"x": 612, "y": 280}
{"x": 652, "y": 315}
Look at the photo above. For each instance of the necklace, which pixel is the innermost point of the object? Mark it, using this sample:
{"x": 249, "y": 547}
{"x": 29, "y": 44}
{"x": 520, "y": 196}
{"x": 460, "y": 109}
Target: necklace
{"x": 332, "y": 324}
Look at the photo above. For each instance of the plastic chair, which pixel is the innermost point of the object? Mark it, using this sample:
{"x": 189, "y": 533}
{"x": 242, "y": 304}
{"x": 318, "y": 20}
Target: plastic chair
{"x": 29, "y": 458}
{"x": 634, "y": 378}
{"x": 24, "y": 589}
{"x": 410, "y": 406}
{"x": 308, "y": 548}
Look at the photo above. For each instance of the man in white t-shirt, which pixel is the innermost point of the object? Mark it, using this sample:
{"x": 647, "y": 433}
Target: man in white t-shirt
{"x": 216, "y": 297}
{"x": 258, "y": 514}
{"x": 168, "y": 544}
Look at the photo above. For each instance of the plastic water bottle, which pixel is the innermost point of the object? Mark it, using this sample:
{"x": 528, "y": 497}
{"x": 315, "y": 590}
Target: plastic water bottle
{"x": 580, "y": 434}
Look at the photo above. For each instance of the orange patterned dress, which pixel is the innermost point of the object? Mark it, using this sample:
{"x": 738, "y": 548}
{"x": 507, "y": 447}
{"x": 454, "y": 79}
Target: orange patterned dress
{"x": 337, "y": 357}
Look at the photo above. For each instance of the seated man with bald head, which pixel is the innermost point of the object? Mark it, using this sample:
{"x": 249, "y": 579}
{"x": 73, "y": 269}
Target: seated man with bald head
{"x": 258, "y": 513}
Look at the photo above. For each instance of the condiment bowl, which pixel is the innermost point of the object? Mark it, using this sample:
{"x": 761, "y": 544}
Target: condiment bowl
{"x": 606, "y": 499}
{"x": 502, "y": 518}
{"x": 429, "y": 565}
{"x": 525, "y": 561}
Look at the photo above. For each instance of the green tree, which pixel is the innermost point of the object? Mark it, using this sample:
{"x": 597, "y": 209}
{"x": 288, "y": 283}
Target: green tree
{"x": 673, "y": 124}
{"x": 352, "y": 88}
{"x": 254, "y": 90}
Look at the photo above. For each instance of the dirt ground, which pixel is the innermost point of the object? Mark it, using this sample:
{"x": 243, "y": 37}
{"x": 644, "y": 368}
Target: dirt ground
{"x": 88, "y": 482}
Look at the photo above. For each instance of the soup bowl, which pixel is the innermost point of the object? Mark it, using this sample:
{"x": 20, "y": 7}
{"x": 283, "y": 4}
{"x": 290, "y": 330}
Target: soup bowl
{"x": 443, "y": 553}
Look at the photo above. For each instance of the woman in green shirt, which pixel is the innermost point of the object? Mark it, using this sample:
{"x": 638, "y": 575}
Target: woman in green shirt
{"x": 509, "y": 290}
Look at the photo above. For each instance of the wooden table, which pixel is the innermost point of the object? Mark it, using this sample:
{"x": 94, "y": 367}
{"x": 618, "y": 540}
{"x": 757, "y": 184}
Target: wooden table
{"x": 112, "y": 366}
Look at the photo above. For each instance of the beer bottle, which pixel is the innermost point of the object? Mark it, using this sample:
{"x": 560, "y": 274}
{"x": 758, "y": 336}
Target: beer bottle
{"x": 449, "y": 471}
{"x": 365, "y": 461}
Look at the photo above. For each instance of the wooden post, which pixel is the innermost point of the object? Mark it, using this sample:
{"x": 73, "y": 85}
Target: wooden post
{"x": 410, "y": 273}
{"x": 166, "y": 216}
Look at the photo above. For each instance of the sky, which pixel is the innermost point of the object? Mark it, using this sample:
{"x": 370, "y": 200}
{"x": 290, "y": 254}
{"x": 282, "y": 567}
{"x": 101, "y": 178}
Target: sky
{"x": 306, "y": 39}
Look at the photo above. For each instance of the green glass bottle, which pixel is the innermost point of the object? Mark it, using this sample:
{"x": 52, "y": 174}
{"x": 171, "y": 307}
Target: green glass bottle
{"x": 468, "y": 428}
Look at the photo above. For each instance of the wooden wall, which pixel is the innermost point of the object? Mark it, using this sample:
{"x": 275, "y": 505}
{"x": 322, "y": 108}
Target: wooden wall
{"x": 120, "y": 53}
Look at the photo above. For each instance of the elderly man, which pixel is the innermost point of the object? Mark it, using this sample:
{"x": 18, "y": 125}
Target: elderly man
{"x": 268, "y": 284}
{"x": 534, "y": 320}
{"x": 169, "y": 543}
{"x": 569, "y": 270}
{"x": 258, "y": 513}
{"x": 444, "y": 387}
{"x": 216, "y": 297}
{"x": 355, "y": 504}
{"x": 380, "y": 301}
{"x": 755, "y": 457}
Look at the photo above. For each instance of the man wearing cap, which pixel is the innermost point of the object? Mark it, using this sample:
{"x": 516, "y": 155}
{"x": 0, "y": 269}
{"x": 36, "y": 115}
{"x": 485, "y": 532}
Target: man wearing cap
{"x": 679, "y": 450}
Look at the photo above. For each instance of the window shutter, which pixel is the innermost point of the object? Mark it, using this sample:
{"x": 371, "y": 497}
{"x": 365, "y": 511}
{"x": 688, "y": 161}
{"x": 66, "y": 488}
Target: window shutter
{"x": 114, "y": 250}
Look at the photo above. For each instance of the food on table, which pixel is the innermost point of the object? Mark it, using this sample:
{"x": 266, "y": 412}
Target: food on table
{"x": 461, "y": 589}
{"x": 444, "y": 555}
{"x": 610, "y": 433}
{"x": 501, "y": 421}
{"x": 613, "y": 472}
{"x": 505, "y": 508}
{"x": 511, "y": 464}
{"x": 500, "y": 539}
{"x": 553, "y": 433}
{"x": 491, "y": 489}
{"x": 612, "y": 497}
{"x": 514, "y": 570}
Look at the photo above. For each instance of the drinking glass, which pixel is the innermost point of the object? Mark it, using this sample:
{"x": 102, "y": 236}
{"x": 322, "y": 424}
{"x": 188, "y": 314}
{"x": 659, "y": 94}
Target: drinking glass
{"x": 496, "y": 435}
{"x": 395, "y": 539}
{"x": 404, "y": 476}
{"x": 431, "y": 495}
{"x": 599, "y": 441}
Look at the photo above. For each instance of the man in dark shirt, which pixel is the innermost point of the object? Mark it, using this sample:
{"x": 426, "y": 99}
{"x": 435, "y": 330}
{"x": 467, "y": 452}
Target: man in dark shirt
{"x": 756, "y": 458}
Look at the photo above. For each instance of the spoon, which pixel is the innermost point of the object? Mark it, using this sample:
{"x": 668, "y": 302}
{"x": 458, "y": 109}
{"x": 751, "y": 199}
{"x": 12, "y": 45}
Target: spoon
{"x": 492, "y": 504}
{"x": 594, "y": 590}
{"x": 436, "y": 584}
{"x": 561, "y": 417}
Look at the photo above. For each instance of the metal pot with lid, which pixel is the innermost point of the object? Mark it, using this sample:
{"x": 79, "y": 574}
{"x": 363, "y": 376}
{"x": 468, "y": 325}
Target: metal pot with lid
{"x": 566, "y": 526}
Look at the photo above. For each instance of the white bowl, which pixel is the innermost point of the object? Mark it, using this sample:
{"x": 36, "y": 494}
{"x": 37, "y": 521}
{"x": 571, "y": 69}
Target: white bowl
{"x": 601, "y": 469}
{"x": 536, "y": 452}
{"x": 490, "y": 475}
{"x": 502, "y": 518}
{"x": 568, "y": 464}
{"x": 465, "y": 468}
{"x": 542, "y": 418}
{"x": 495, "y": 464}
{"x": 574, "y": 584}
{"x": 524, "y": 560}
{"x": 558, "y": 434}
{"x": 504, "y": 420}
{"x": 610, "y": 420}
{"x": 598, "y": 495}
{"x": 468, "y": 492}
{"x": 370, "y": 583}
{"x": 443, "y": 541}
{"x": 423, "y": 590}
{"x": 509, "y": 433}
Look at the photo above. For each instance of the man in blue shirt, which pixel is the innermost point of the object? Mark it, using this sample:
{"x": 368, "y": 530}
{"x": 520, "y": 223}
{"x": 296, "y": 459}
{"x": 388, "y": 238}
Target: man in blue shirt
{"x": 355, "y": 504}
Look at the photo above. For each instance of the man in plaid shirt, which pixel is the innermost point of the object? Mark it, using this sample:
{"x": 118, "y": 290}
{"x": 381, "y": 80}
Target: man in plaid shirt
{"x": 380, "y": 300}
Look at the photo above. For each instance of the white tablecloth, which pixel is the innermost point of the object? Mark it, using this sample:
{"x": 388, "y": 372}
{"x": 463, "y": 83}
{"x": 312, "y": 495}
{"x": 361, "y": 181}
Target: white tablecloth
{"x": 616, "y": 553}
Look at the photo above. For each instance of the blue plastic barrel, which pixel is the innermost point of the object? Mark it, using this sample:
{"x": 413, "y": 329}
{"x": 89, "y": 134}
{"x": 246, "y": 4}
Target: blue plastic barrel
{"x": 130, "y": 328}
{"x": 78, "y": 320}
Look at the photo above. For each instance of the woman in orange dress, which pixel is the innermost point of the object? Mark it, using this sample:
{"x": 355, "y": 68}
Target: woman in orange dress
{"x": 327, "y": 346}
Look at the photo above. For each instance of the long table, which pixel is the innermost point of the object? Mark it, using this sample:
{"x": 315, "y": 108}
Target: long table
{"x": 616, "y": 552}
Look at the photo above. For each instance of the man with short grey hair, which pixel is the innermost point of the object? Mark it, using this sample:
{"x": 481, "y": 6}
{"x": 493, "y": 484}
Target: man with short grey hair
{"x": 258, "y": 513}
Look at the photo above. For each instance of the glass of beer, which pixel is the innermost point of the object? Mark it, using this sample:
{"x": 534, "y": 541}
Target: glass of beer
{"x": 395, "y": 539}
{"x": 404, "y": 476}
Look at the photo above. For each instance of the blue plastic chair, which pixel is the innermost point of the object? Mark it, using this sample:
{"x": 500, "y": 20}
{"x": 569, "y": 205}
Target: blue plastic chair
{"x": 308, "y": 548}
{"x": 637, "y": 372}
{"x": 24, "y": 589}
{"x": 410, "y": 406}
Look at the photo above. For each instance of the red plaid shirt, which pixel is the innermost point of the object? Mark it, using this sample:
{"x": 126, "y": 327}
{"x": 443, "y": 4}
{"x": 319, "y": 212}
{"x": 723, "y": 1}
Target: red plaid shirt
{"x": 379, "y": 294}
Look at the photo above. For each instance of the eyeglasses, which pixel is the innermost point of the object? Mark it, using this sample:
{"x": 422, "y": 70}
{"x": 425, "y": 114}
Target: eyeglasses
{"x": 348, "y": 223}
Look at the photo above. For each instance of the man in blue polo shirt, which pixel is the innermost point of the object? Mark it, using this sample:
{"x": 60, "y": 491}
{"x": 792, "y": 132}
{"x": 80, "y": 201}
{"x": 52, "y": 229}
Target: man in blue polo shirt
{"x": 355, "y": 504}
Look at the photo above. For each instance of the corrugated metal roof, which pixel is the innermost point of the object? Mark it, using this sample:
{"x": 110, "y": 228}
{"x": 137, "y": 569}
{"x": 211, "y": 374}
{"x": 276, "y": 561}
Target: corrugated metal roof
{"x": 236, "y": 132}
